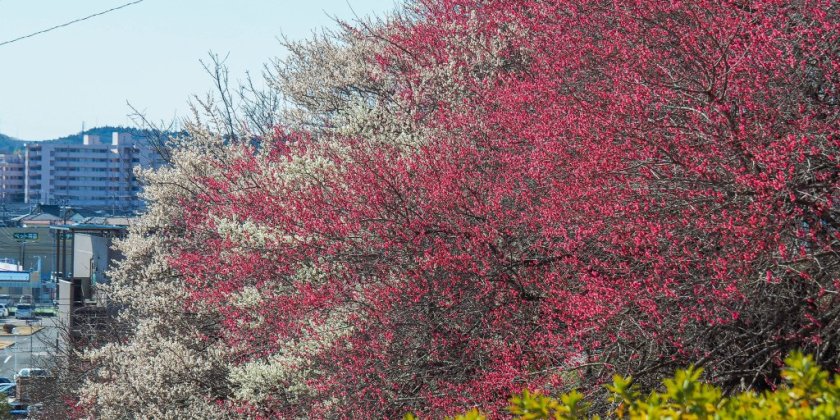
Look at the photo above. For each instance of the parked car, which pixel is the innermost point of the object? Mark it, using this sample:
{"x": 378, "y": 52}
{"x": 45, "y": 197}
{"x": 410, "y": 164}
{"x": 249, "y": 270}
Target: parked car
{"x": 24, "y": 311}
{"x": 31, "y": 372}
{"x": 18, "y": 409}
{"x": 4, "y": 310}
{"x": 8, "y": 389}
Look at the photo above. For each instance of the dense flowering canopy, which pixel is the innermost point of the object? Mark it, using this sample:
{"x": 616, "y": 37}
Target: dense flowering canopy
{"x": 506, "y": 192}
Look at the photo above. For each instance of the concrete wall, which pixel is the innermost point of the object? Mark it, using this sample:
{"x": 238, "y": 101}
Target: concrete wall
{"x": 65, "y": 302}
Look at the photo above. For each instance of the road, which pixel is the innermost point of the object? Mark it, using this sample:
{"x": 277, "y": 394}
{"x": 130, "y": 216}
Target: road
{"x": 28, "y": 350}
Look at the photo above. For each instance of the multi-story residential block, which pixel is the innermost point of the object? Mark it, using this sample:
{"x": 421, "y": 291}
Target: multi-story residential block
{"x": 11, "y": 178}
{"x": 95, "y": 174}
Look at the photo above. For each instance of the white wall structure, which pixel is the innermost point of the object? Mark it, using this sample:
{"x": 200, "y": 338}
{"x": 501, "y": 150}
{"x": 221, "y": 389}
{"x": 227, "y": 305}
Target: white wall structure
{"x": 95, "y": 174}
{"x": 90, "y": 255}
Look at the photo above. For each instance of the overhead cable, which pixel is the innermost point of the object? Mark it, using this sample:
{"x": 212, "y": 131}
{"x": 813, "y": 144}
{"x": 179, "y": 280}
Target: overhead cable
{"x": 69, "y": 23}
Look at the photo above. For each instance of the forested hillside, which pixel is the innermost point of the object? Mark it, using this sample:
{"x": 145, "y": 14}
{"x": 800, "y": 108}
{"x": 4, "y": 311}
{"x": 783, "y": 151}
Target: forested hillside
{"x": 13, "y": 145}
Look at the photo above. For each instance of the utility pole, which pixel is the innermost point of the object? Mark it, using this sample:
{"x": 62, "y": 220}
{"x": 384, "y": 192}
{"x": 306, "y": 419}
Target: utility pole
{"x": 64, "y": 207}
{"x": 22, "y": 244}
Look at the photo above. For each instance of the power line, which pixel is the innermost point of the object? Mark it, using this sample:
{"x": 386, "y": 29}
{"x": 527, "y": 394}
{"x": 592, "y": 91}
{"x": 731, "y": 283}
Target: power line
{"x": 69, "y": 23}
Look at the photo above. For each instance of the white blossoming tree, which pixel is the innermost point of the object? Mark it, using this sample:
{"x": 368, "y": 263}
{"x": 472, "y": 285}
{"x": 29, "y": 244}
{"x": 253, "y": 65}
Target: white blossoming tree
{"x": 167, "y": 360}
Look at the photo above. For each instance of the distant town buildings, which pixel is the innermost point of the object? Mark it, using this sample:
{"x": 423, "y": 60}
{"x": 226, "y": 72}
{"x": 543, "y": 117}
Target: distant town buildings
{"x": 94, "y": 174}
{"x": 11, "y": 178}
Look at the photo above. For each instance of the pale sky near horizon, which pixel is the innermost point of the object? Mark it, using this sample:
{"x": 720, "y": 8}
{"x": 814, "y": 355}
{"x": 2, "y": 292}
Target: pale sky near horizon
{"x": 146, "y": 54}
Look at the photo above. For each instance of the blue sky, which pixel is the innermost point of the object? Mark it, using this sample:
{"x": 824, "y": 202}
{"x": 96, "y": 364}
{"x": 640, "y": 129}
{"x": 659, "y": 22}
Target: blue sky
{"x": 146, "y": 54}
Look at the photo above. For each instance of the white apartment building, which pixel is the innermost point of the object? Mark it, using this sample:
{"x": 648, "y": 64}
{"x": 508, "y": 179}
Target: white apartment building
{"x": 11, "y": 178}
{"x": 95, "y": 174}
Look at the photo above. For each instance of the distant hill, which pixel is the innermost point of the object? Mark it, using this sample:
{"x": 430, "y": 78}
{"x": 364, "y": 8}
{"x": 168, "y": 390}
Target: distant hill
{"x": 13, "y": 145}
{"x": 9, "y": 143}
{"x": 103, "y": 132}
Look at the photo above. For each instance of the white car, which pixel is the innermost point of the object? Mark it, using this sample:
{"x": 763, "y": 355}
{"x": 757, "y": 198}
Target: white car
{"x": 4, "y": 311}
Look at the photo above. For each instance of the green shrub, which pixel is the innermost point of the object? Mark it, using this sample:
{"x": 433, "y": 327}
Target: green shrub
{"x": 809, "y": 392}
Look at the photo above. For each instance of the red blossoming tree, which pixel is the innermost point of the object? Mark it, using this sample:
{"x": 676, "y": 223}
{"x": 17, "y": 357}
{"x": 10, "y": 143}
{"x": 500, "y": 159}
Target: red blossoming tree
{"x": 530, "y": 194}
